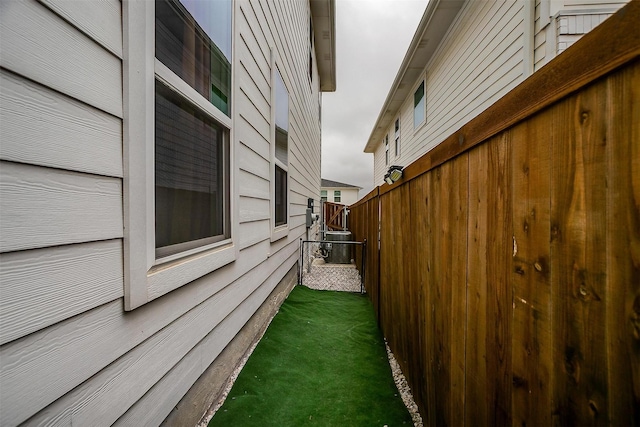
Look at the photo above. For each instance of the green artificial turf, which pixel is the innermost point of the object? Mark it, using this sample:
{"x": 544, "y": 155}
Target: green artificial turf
{"x": 322, "y": 362}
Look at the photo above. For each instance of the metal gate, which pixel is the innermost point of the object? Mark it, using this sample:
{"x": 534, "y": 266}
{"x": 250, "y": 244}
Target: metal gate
{"x": 334, "y": 265}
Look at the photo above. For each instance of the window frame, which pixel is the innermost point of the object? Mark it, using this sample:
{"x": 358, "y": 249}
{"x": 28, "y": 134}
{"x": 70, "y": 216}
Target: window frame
{"x": 386, "y": 150}
{"x": 337, "y": 196}
{"x": 324, "y": 197}
{"x": 146, "y": 276}
{"x": 397, "y": 136}
{"x": 423, "y": 121}
{"x": 311, "y": 50}
{"x": 279, "y": 231}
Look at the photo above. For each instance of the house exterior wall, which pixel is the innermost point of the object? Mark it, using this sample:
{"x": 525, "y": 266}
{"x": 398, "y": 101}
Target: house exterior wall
{"x": 348, "y": 195}
{"x": 70, "y": 352}
{"x": 483, "y": 55}
{"x": 479, "y": 60}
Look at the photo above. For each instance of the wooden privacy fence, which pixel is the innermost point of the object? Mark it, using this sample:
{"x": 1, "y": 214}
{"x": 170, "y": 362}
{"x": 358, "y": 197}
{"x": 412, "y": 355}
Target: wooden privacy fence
{"x": 507, "y": 281}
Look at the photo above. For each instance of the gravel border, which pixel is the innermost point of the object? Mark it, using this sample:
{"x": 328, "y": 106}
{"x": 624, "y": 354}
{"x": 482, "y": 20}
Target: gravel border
{"x": 206, "y": 418}
{"x": 403, "y": 388}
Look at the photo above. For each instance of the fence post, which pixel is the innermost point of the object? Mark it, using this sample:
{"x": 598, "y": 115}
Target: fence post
{"x": 363, "y": 263}
{"x": 300, "y": 262}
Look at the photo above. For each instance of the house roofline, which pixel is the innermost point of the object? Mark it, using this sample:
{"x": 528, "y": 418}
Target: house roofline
{"x": 323, "y": 13}
{"x": 327, "y": 183}
{"x": 434, "y": 25}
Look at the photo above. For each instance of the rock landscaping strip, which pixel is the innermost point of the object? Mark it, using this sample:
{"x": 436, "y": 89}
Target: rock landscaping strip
{"x": 331, "y": 277}
{"x": 404, "y": 389}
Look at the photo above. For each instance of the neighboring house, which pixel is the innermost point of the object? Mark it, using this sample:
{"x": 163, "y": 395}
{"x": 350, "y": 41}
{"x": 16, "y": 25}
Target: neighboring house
{"x": 156, "y": 163}
{"x": 464, "y": 56}
{"x": 338, "y": 192}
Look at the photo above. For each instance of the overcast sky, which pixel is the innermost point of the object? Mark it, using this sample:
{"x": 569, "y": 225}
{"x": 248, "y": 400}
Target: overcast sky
{"x": 372, "y": 37}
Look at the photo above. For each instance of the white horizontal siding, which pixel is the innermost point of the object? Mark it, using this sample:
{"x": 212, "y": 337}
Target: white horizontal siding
{"x": 45, "y": 207}
{"x": 80, "y": 359}
{"x": 252, "y": 185}
{"x": 479, "y": 60}
{"x": 252, "y": 115}
{"x": 47, "y": 364}
{"x": 251, "y": 233}
{"x": 540, "y": 49}
{"x": 155, "y": 405}
{"x": 45, "y": 48}
{"x": 253, "y": 209}
{"x": 379, "y": 165}
{"x": 251, "y": 161}
{"x": 43, "y": 127}
{"x": 102, "y": 399}
{"x": 99, "y": 19}
{"x": 44, "y": 286}
{"x": 250, "y": 138}
{"x": 593, "y": 4}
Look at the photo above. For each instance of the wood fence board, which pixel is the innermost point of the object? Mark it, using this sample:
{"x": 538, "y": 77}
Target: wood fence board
{"x": 476, "y": 408}
{"x": 408, "y": 287}
{"x": 623, "y": 248}
{"x": 457, "y": 212}
{"x": 396, "y": 303}
{"x": 374, "y": 252}
{"x": 578, "y": 215}
{"x": 508, "y": 278}
{"x": 386, "y": 318}
{"x": 420, "y": 243}
{"x": 530, "y": 275}
{"x": 499, "y": 250}
{"x": 440, "y": 298}
{"x": 430, "y": 300}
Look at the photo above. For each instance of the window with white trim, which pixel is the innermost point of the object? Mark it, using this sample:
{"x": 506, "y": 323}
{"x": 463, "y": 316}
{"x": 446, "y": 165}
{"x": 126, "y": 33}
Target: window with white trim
{"x": 386, "y": 150}
{"x": 280, "y": 156}
{"x": 177, "y": 126}
{"x": 397, "y": 136}
{"x": 323, "y": 195}
{"x": 337, "y": 196}
{"x": 419, "y": 105}
{"x": 311, "y": 47}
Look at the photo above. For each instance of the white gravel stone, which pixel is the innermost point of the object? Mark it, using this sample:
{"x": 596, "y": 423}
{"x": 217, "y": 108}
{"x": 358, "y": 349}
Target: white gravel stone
{"x": 404, "y": 389}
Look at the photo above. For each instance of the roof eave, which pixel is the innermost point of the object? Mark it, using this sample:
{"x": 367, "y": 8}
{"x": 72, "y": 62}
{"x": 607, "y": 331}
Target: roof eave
{"x": 323, "y": 13}
{"x": 434, "y": 25}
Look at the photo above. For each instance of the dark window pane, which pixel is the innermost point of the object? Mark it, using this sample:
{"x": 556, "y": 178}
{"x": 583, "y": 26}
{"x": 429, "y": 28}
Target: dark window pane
{"x": 191, "y": 172}
{"x": 188, "y": 50}
{"x": 282, "y": 120}
{"x": 281, "y": 196}
{"x": 418, "y": 105}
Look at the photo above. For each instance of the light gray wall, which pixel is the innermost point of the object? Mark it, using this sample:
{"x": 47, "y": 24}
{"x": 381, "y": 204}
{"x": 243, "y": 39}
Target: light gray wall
{"x": 70, "y": 353}
{"x": 480, "y": 59}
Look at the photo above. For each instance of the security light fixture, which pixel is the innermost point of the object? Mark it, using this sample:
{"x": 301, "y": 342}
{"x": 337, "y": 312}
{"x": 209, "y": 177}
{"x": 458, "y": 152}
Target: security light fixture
{"x": 393, "y": 174}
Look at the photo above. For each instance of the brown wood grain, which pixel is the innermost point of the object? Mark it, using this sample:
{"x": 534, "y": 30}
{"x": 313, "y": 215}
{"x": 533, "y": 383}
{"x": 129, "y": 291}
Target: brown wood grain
{"x": 508, "y": 278}
{"x": 499, "y": 250}
{"x": 531, "y": 345}
{"x": 417, "y": 229}
{"x": 623, "y": 248}
{"x": 457, "y": 211}
{"x": 476, "y": 407}
{"x": 578, "y": 263}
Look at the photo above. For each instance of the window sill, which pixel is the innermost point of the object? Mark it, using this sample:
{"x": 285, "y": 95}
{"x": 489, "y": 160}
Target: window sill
{"x": 166, "y": 277}
{"x": 279, "y": 232}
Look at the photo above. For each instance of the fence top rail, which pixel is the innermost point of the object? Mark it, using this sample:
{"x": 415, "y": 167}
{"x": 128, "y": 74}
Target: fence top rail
{"x": 609, "y": 46}
{"x": 371, "y": 195}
